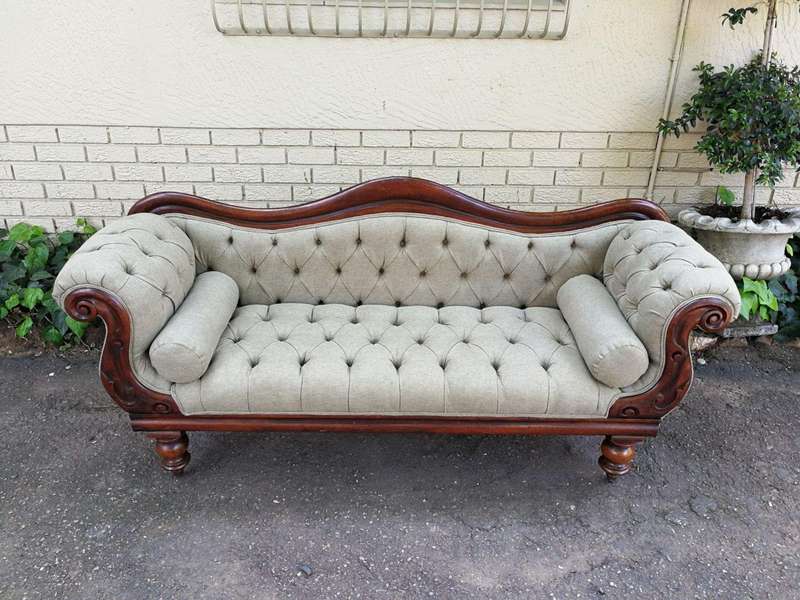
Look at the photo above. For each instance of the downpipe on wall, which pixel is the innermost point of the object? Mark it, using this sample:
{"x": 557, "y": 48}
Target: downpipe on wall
{"x": 669, "y": 96}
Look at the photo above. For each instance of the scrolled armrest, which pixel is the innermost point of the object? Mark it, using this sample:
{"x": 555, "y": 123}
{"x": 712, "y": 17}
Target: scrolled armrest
{"x": 666, "y": 284}
{"x": 141, "y": 267}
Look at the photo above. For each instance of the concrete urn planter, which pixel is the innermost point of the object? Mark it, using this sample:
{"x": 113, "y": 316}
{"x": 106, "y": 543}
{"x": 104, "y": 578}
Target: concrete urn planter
{"x": 745, "y": 248}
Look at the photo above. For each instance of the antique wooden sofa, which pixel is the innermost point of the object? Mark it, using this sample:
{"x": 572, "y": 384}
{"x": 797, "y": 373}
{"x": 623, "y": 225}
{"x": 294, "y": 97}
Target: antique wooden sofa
{"x": 397, "y": 305}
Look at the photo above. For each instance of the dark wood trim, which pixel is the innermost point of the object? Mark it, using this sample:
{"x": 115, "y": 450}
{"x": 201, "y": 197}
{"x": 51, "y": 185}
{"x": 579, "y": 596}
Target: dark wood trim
{"x": 708, "y": 314}
{"x": 432, "y": 424}
{"x": 116, "y": 372}
{"x": 405, "y": 195}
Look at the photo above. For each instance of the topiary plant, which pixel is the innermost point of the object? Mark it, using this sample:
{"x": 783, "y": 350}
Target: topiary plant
{"x": 752, "y": 115}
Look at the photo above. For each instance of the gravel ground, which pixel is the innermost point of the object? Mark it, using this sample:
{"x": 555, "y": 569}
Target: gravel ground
{"x": 712, "y": 509}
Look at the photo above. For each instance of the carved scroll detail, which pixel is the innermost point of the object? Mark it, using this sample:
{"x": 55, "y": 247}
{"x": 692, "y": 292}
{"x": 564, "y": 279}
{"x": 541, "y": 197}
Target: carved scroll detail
{"x": 711, "y": 315}
{"x": 116, "y": 371}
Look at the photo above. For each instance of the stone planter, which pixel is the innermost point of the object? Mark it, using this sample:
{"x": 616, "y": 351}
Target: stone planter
{"x": 746, "y": 248}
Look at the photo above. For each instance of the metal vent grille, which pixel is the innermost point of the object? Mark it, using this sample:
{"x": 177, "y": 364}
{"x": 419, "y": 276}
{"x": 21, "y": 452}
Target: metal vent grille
{"x": 507, "y": 19}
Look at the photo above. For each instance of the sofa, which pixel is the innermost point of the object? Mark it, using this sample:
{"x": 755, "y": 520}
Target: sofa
{"x": 398, "y": 305}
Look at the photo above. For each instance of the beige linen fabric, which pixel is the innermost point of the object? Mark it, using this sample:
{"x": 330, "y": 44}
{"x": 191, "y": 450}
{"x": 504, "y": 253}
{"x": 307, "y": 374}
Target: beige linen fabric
{"x": 145, "y": 261}
{"x": 607, "y": 343}
{"x": 302, "y": 358}
{"x": 183, "y": 349}
{"x": 651, "y": 269}
{"x": 397, "y": 260}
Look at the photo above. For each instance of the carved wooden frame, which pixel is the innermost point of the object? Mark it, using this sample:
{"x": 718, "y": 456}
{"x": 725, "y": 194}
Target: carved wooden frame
{"x": 630, "y": 417}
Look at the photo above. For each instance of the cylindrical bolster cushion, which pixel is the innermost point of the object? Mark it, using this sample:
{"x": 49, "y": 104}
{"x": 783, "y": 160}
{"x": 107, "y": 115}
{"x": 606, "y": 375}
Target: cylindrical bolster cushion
{"x": 608, "y": 345}
{"x": 184, "y": 348}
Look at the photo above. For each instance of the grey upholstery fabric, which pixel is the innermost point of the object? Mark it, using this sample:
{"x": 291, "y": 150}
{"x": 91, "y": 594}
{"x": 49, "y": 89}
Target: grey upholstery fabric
{"x": 183, "y": 349}
{"x": 145, "y": 261}
{"x": 305, "y": 284}
{"x": 652, "y": 268}
{"x": 397, "y": 259}
{"x": 607, "y": 343}
{"x": 302, "y": 358}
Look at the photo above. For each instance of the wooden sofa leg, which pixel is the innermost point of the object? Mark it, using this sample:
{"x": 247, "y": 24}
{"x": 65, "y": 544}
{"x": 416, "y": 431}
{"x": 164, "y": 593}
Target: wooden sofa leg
{"x": 172, "y": 448}
{"x": 617, "y": 455}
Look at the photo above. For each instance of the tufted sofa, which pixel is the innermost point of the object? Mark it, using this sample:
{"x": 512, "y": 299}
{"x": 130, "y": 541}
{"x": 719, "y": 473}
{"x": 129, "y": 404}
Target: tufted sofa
{"x": 396, "y": 305}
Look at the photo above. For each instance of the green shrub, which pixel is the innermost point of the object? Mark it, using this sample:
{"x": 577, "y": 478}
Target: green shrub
{"x": 30, "y": 259}
{"x": 786, "y": 290}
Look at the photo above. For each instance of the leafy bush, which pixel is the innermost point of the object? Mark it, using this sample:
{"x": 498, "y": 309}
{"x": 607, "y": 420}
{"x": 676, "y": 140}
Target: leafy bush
{"x": 30, "y": 259}
{"x": 785, "y": 289}
{"x": 752, "y": 115}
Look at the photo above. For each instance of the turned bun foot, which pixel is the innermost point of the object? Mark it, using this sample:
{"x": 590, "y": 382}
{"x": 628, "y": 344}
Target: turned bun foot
{"x": 617, "y": 455}
{"x": 172, "y": 448}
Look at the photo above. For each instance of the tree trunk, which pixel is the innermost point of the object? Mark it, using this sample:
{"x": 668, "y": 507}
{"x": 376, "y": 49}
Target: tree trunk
{"x": 772, "y": 21}
{"x": 749, "y": 198}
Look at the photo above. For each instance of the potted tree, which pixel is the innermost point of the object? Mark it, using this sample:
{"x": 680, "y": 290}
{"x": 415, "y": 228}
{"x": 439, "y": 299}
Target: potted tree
{"x": 752, "y": 116}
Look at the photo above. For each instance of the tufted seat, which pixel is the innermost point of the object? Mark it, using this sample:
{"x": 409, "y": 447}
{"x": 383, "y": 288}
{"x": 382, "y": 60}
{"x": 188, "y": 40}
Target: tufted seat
{"x": 458, "y": 360}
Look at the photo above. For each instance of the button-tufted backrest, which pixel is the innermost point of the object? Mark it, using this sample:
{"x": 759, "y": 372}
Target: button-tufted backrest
{"x": 397, "y": 259}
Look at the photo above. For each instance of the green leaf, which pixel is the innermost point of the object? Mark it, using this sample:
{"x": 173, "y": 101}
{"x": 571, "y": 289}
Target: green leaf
{"x": 31, "y": 297}
{"x": 762, "y": 312}
{"x": 7, "y": 247}
{"x": 21, "y": 232}
{"x": 12, "y": 301}
{"x": 53, "y": 335}
{"x": 40, "y": 275}
{"x": 36, "y": 259}
{"x": 76, "y": 327}
{"x": 748, "y": 303}
{"x": 725, "y": 196}
{"x": 3, "y": 312}
{"x": 65, "y": 238}
{"x": 25, "y": 327}
{"x": 789, "y": 250}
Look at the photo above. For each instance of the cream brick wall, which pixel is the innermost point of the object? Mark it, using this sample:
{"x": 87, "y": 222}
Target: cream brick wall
{"x": 52, "y": 174}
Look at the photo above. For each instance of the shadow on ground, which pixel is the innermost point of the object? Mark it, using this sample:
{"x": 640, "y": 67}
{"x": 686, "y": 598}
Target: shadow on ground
{"x": 711, "y": 511}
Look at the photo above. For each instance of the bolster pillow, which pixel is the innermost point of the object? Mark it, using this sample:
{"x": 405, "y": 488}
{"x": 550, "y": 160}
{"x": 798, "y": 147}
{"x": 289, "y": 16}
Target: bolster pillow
{"x": 184, "y": 348}
{"x": 608, "y": 345}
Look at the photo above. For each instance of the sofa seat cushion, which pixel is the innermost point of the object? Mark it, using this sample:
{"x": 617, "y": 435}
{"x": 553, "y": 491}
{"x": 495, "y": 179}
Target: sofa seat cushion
{"x": 414, "y": 360}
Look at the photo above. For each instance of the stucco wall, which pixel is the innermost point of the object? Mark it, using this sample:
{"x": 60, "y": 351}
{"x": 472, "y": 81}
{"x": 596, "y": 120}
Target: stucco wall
{"x": 162, "y": 65}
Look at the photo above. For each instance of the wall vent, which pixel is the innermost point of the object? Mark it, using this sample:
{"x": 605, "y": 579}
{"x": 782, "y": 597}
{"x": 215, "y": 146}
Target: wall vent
{"x": 465, "y": 19}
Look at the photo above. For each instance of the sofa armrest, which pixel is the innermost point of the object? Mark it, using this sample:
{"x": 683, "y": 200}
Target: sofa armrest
{"x": 659, "y": 275}
{"x": 137, "y": 270}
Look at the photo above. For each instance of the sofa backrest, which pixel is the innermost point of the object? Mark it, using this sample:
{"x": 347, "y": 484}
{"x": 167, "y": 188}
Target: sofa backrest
{"x": 397, "y": 259}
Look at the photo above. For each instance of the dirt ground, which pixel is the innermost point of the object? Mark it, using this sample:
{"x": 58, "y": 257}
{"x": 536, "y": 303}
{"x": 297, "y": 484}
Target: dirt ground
{"x": 712, "y": 509}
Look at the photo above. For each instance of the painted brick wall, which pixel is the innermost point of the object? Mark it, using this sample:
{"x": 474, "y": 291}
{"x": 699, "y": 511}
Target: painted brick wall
{"x": 51, "y": 174}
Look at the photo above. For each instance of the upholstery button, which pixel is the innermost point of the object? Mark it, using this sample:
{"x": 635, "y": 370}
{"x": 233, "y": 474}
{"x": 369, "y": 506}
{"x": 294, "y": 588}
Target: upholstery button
{"x": 320, "y": 301}
{"x": 522, "y": 307}
{"x": 254, "y": 269}
{"x": 297, "y": 270}
{"x": 338, "y": 270}
{"x": 374, "y": 341}
{"x": 328, "y": 337}
{"x": 420, "y": 341}
{"x": 349, "y": 362}
{"x": 423, "y": 273}
{"x": 397, "y": 303}
{"x": 358, "y": 241}
{"x": 318, "y": 242}
{"x": 359, "y": 303}
{"x": 443, "y": 364}
{"x": 254, "y": 363}
{"x": 277, "y": 300}
{"x": 512, "y": 340}
{"x": 440, "y": 305}
{"x": 397, "y": 364}
{"x": 530, "y": 245}
{"x": 547, "y": 277}
{"x": 464, "y": 275}
{"x": 274, "y": 241}
{"x": 573, "y": 244}
{"x": 487, "y": 243}
{"x": 445, "y": 242}
{"x": 482, "y": 306}
{"x": 354, "y": 321}
{"x": 496, "y": 365}
{"x": 403, "y": 243}
{"x": 506, "y": 275}
{"x": 282, "y": 338}
{"x": 466, "y": 340}
{"x": 545, "y": 365}
{"x": 381, "y": 271}
{"x": 302, "y": 361}
{"x": 230, "y": 240}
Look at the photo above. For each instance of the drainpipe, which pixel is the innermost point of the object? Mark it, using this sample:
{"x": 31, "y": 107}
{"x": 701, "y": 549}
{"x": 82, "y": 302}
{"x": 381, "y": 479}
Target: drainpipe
{"x": 674, "y": 70}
